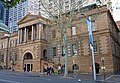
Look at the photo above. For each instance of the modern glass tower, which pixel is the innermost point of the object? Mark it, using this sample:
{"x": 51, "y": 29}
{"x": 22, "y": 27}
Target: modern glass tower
{"x": 3, "y": 14}
{"x": 20, "y": 10}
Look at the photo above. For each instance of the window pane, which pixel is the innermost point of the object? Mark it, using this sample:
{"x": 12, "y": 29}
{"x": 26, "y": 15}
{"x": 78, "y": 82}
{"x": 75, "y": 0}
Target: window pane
{"x": 95, "y": 46}
{"x": 73, "y": 30}
{"x": 53, "y": 34}
{"x": 74, "y": 49}
{"x": 93, "y": 26}
{"x": 54, "y": 51}
{"x": 63, "y": 51}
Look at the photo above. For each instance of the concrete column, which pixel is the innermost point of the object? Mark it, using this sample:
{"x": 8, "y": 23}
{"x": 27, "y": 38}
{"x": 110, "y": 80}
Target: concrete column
{"x": 25, "y": 35}
{"x": 32, "y": 35}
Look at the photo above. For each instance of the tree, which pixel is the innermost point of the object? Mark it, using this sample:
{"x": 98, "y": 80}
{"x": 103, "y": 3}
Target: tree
{"x": 61, "y": 18}
{"x": 10, "y": 3}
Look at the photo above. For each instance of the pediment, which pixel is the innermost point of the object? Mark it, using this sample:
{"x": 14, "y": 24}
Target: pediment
{"x": 27, "y": 18}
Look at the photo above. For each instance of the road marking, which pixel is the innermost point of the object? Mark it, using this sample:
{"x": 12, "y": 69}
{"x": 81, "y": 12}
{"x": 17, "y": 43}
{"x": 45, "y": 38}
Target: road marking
{"x": 46, "y": 79}
{"x": 49, "y": 79}
{"x": 9, "y": 81}
{"x": 109, "y": 77}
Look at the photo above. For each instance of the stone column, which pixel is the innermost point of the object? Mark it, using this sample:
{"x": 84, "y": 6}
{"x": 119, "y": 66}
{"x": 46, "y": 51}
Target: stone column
{"x": 32, "y": 35}
{"x": 18, "y": 36}
{"x": 40, "y": 30}
{"x": 25, "y": 35}
{"x": 37, "y": 31}
{"x": 42, "y": 35}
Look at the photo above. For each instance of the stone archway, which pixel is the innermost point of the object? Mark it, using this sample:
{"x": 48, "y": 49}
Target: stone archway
{"x": 28, "y": 56}
{"x": 97, "y": 67}
{"x": 75, "y": 67}
{"x": 45, "y": 55}
{"x": 27, "y": 62}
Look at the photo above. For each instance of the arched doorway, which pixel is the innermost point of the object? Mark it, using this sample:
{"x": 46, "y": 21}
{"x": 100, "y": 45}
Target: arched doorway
{"x": 27, "y": 62}
{"x": 45, "y": 55}
{"x": 75, "y": 67}
{"x": 97, "y": 67}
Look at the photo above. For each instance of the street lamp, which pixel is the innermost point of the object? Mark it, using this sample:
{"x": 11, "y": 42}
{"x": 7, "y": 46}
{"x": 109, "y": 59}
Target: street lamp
{"x": 103, "y": 66}
{"x": 7, "y": 36}
{"x": 89, "y": 24}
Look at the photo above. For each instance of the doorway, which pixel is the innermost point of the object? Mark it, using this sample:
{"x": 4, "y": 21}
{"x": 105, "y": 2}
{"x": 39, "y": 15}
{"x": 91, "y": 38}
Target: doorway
{"x": 97, "y": 67}
{"x": 28, "y": 67}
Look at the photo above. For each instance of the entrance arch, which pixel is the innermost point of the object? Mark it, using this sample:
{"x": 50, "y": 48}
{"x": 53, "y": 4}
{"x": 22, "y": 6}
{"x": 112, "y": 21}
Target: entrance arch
{"x": 28, "y": 56}
{"x": 45, "y": 55}
{"x": 27, "y": 62}
{"x": 75, "y": 67}
{"x": 97, "y": 67}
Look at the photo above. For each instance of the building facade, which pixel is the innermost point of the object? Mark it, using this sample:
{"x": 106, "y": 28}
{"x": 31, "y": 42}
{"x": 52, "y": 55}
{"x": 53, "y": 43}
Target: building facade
{"x": 38, "y": 44}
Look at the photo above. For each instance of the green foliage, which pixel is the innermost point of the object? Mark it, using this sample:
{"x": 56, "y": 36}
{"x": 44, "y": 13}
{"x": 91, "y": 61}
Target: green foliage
{"x": 10, "y": 3}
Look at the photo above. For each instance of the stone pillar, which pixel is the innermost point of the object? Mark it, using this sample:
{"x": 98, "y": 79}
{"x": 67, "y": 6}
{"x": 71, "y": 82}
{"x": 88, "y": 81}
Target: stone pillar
{"x": 42, "y": 35}
{"x": 25, "y": 35}
{"x": 40, "y": 31}
{"x": 32, "y": 35}
{"x": 18, "y": 36}
{"x": 37, "y": 31}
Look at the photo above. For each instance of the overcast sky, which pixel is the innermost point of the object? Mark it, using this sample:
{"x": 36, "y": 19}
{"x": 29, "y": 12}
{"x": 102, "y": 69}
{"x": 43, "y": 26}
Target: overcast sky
{"x": 116, "y": 12}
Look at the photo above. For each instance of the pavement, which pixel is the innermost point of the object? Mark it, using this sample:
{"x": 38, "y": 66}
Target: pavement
{"x": 81, "y": 78}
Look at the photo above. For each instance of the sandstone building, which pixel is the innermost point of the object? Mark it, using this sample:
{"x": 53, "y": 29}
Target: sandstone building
{"x": 37, "y": 44}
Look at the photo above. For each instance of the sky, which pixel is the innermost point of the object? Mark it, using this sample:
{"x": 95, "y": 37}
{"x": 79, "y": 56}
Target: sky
{"x": 116, "y": 9}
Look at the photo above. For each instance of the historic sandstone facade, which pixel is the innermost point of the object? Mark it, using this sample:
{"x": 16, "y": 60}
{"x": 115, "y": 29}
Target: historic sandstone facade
{"x": 40, "y": 45}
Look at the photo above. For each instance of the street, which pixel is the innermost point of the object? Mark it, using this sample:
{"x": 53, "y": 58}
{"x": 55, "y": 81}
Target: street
{"x": 25, "y": 77}
{"x": 21, "y": 77}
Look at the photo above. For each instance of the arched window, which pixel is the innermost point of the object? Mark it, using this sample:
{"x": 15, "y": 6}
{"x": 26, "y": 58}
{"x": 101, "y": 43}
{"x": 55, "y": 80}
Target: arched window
{"x": 45, "y": 55}
{"x": 28, "y": 56}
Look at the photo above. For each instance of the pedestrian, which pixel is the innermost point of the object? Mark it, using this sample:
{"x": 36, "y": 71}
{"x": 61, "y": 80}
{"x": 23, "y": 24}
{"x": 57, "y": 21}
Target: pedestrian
{"x": 24, "y": 69}
{"x": 48, "y": 71}
{"x": 52, "y": 71}
{"x": 12, "y": 68}
{"x": 44, "y": 70}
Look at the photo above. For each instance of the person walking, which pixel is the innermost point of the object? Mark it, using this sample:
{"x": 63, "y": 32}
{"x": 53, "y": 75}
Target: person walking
{"x": 24, "y": 69}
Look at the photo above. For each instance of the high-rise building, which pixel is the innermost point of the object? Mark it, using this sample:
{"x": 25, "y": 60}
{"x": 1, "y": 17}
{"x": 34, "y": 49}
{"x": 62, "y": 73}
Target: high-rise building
{"x": 1, "y": 10}
{"x": 3, "y": 14}
{"x": 35, "y": 7}
{"x": 20, "y": 10}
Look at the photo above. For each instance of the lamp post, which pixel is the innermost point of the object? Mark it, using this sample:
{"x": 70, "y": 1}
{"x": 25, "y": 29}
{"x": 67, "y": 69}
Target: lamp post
{"x": 7, "y": 36}
{"x": 103, "y": 66}
{"x": 89, "y": 24}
